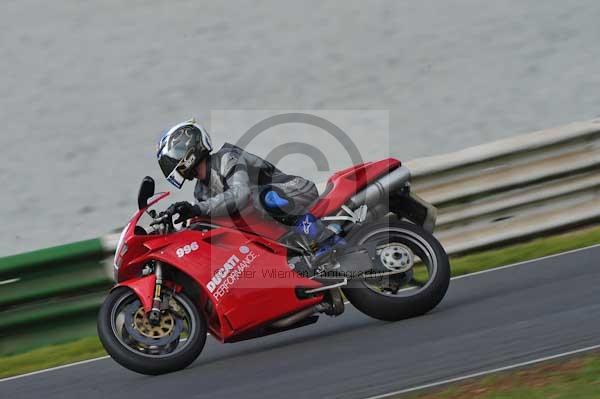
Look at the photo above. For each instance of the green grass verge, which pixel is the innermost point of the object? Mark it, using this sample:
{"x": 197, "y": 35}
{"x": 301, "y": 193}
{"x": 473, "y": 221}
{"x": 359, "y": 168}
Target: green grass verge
{"x": 533, "y": 249}
{"x": 536, "y": 248}
{"x": 561, "y": 379}
{"x": 89, "y": 348}
{"x": 51, "y": 356}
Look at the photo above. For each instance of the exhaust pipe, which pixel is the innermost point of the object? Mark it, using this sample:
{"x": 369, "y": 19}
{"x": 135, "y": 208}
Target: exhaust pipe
{"x": 377, "y": 194}
{"x": 295, "y": 318}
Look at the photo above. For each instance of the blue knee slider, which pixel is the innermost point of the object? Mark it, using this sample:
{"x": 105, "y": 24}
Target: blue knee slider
{"x": 275, "y": 201}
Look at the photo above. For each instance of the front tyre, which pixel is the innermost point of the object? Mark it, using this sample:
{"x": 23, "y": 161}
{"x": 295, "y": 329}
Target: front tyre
{"x": 418, "y": 271}
{"x": 134, "y": 343}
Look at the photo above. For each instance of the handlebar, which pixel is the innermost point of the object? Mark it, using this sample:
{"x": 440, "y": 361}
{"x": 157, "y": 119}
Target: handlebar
{"x": 165, "y": 220}
{"x": 160, "y": 220}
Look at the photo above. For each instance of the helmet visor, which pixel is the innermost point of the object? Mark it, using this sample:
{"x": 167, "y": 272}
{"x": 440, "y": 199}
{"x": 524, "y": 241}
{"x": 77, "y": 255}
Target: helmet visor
{"x": 167, "y": 164}
{"x": 176, "y": 179}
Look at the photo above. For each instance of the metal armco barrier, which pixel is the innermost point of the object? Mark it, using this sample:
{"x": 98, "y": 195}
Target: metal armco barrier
{"x": 486, "y": 195}
{"x": 515, "y": 188}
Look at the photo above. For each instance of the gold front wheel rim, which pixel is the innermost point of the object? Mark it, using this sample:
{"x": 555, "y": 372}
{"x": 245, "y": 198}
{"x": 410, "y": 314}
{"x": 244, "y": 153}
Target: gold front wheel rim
{"x": 144, "y": 327}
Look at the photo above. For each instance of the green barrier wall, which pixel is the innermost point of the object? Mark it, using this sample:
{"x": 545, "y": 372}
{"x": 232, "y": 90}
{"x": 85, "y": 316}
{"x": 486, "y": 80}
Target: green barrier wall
{"x": 51, "y": 295}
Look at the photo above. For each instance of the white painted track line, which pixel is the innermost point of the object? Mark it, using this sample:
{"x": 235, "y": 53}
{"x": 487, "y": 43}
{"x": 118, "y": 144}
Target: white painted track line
{"x": 54, "y": 368}
{"x": 483, "y": 373}
{"x": 453, "y": 278}
{"x": 495, "y": 269}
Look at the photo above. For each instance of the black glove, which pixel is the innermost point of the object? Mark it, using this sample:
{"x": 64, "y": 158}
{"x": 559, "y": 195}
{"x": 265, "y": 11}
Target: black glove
{"x": 185, "y": 210}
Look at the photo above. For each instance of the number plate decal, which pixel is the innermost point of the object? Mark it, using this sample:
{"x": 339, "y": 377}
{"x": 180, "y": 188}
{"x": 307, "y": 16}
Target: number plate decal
{"x": 187, "y": 249}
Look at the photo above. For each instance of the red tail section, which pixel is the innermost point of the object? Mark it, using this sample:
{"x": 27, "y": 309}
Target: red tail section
{"x": 344, "y": 184}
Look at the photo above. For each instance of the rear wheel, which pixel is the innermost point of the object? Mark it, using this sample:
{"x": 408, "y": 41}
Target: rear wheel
{"x": 417, "y": 271}
{"x": 132, "y": 341}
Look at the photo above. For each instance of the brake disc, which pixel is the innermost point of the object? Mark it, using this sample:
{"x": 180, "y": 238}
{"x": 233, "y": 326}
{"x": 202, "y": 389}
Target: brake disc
{"x": 164, "y": 328}
{"x": 138, "y": 326}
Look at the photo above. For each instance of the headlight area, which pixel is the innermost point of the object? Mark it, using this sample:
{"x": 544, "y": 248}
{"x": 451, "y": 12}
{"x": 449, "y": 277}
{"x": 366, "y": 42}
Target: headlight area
{"x": 119, "y": 256}
{"x": 121, "y": 251}
{"x": 119, "y": 259}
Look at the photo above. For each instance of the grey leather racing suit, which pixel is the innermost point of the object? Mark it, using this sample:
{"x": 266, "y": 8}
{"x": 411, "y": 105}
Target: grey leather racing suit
{"x": 236, "y": 179}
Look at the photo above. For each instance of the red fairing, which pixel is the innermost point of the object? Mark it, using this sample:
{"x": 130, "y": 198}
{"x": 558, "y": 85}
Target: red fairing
{"x": 346, "y": 183}
{"x": 144, "y": 289}
{"x": 245, "y": 277}
{"x": 251, "y": 221}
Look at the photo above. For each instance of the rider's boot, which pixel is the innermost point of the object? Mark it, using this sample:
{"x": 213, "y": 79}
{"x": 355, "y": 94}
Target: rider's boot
{"x": 323, "y": 240}
{"x": 326, "y": 239}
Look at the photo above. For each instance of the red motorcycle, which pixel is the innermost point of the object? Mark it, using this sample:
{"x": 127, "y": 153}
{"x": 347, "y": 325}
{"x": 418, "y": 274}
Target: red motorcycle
{"x": 239, "y": 278}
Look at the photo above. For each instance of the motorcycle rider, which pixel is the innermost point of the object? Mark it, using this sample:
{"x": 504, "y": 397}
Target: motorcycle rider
{"x": 231, "y": 178}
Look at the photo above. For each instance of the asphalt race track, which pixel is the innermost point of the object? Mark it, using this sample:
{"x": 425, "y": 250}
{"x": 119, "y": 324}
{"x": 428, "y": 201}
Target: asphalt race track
{"x": 488, "y": 320}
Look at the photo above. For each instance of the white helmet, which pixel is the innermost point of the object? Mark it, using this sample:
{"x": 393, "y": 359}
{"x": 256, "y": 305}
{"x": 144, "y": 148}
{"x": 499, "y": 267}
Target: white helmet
{"x": 180, "y": 150}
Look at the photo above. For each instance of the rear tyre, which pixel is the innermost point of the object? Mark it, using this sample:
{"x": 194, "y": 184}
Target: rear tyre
{"x": 133, "y": 343}
{"x": 397, "y": 298}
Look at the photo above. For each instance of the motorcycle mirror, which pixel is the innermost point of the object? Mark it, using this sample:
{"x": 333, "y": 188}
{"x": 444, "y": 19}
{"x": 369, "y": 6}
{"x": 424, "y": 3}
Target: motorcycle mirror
{"x": 146, "y": 192}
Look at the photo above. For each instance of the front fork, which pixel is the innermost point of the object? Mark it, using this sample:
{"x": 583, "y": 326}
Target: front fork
{"x": 154, "y": 316}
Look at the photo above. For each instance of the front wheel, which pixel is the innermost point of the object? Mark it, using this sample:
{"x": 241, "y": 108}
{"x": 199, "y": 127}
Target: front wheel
{"x": 417, "y": 271}
{"x": 133, "y": 342}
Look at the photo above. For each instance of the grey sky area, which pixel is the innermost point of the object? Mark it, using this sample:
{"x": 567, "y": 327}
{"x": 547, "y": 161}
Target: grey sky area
{"x": 87, "y": 87}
